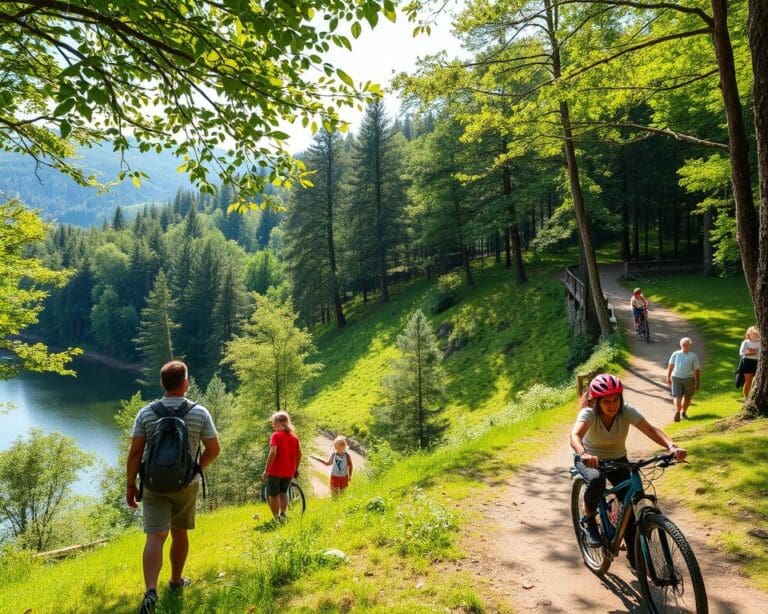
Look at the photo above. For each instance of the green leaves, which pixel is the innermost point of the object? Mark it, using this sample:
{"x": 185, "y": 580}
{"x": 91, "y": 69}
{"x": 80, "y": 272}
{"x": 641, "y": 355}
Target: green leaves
{"x": 232, "y": 73}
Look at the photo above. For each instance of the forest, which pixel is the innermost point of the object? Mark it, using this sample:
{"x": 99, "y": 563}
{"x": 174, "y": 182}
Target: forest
{"x": 630, "y": 129}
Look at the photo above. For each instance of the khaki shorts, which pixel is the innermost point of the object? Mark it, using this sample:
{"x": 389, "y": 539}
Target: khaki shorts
{"x": 174, "y": 510}
{"x": 683, "y": 387}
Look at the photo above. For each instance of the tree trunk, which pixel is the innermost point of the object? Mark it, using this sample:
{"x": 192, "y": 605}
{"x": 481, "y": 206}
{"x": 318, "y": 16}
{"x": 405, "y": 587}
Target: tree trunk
{"x": 507, "y": 249}
{"x": 465, "y": 262}
{"x": 635, "y": 231}
{"x": 660, "y": 239}
{"x": 582, "y": 220}
{"x": 497, "y": 247}
{"x": 625, "y": 255}
{"x": 329, "y": 203}
{"x": 645, "y": 233}
{"x": 746, "y": 217}
{"x": 513, "y": 234}
{"x": 709, "y": 264}
{"x": 517, "y": 250}
{"x": 758, "y": 42}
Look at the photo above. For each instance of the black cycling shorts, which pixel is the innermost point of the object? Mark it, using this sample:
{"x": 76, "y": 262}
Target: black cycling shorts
{"x": 277, "y": 486}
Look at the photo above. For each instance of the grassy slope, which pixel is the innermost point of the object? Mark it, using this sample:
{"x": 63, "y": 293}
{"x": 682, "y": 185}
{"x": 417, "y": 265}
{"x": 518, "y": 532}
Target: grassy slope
{"x": 728, "y": 481}
{"x": 399, "y": 531}
{"x": 511, "y": 334}
{"x": 399, "y": 556}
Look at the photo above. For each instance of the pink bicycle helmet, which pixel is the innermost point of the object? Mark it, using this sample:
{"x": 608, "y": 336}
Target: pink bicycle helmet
{"x": 604, "y": 385}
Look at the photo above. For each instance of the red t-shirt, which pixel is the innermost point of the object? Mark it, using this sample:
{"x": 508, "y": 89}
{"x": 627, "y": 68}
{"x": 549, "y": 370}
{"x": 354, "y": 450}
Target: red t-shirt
{"x": 286, "y": 462}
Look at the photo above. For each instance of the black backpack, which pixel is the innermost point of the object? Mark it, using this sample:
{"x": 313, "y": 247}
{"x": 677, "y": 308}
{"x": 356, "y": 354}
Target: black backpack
{"x": 168, "y": 465}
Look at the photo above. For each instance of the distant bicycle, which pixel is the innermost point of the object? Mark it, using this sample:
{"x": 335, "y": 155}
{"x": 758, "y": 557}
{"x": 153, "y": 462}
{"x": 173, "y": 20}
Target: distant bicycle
{"x": 296, "y": 498}
{"x": 643, "y": 329}
{"x": 669, "y": 575}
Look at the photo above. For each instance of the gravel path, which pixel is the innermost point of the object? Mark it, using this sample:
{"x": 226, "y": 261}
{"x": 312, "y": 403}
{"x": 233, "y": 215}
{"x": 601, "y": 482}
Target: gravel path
{"x": 527, "y": 554}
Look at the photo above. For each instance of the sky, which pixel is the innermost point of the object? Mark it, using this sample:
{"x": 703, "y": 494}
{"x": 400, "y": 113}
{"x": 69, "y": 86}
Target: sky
{"x": 377, "y": 55}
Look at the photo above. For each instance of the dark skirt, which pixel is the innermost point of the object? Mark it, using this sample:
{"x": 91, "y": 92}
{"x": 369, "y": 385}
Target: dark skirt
{"x": 748, "y": 365}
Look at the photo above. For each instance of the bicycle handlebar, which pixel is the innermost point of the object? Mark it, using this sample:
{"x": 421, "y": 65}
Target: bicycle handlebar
{"x": 660, "y": 460}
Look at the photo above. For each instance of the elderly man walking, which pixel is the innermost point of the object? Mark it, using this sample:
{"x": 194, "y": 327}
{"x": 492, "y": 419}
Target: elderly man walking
{"x": 169, "y": 490}
{"x": 683, "y": 377}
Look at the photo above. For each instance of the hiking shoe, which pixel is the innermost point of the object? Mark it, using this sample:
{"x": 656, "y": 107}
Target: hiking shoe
{"x": 282, "y": 518}
{"x": 684, "y": 416}
{"x": 677, "y": 417}
{"x": 149, "y": 602}
{"x": 177, "y": 586}
{"x": 594, "y": 539}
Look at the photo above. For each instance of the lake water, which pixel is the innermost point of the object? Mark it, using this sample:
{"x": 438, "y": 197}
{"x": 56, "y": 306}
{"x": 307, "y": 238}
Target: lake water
{"x": 83, "y": 408}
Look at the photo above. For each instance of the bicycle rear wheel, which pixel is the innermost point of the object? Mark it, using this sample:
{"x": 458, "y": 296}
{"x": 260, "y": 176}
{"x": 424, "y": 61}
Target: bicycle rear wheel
{"x": 296, "y": 499}
{"x": 669, "y": 574}
{"x": 594, "y": 558}
{"x": 646, "y": 331}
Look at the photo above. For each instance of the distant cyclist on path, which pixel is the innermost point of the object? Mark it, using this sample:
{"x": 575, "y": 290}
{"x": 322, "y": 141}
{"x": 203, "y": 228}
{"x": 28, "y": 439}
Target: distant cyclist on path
{"x": 639, "y": 306}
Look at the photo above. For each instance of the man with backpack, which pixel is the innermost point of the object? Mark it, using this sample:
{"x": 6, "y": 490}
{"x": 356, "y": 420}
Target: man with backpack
{"x": 166, "y": 440}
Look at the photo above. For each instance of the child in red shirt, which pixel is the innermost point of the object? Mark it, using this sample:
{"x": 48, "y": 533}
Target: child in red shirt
{"x": 282, "y": 464}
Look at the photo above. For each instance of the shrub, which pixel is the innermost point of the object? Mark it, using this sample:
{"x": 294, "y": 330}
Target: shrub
{"x": 581, "y": 350}
{"x": 445, "y": 293}
{"x": 424, "y": 527}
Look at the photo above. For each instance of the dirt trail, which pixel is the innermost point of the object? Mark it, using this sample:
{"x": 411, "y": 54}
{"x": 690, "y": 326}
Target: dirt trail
{"x": 528, "y": 554}
{"x": 321, "y": 447}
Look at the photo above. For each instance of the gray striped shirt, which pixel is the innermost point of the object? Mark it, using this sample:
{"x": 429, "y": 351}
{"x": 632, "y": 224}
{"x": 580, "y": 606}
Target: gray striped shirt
{"x": 198, "y": 419}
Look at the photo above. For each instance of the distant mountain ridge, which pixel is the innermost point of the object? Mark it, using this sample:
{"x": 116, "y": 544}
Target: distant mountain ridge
{"x": 60, "y": 199}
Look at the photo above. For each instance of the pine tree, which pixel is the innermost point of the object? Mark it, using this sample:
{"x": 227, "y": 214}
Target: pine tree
{"x": 311, "y": 231}
{"x": 196, "y": 304}
{"x": 155, "y": 339}
{"x": 270, "y": 358}
{"x": 377, "y": 196}
{"x": 118, "y": 222}
{"x": 228, "y": 312}
{"x": 192, "y": 227}
{"x": 410, "y": 418}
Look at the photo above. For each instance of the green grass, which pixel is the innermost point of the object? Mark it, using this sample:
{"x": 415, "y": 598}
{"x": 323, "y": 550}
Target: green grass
{"x": 515, "y": 336}
{"x": 727, "y": 480}
{"x": 399, "y": 531}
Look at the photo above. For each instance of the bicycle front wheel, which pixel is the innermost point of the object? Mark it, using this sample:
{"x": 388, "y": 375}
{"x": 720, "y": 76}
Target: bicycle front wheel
{"x": 594, "y": 558}
{"x": 669, "y": 575}
{"x": 296, "y": 499}
{"x": 646, "y": 331}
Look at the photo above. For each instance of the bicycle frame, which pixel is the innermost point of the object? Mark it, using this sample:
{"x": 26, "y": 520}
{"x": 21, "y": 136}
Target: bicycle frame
{"x": 633, "y": 501}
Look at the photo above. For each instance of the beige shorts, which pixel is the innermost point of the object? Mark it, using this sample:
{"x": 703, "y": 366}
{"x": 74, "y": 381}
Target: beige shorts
{"x": 174, "y": 510}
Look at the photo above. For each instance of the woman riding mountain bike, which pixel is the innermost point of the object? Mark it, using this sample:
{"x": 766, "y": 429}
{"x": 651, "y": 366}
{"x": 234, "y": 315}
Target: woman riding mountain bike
{"x": 639, "y": 305}
{"x": 600, "y": 434}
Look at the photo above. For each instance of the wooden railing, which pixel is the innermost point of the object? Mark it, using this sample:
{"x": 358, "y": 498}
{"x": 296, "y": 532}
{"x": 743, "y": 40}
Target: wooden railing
{"x": 574, "y": 285}
{"x": 661, "y": 267}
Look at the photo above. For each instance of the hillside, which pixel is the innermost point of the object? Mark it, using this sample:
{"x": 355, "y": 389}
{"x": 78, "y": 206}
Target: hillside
{"x": 395, "y": 524}
{"x": 498, "y": 339}
{"x": 60, "y": 198}
{"x": 414, "y": 529}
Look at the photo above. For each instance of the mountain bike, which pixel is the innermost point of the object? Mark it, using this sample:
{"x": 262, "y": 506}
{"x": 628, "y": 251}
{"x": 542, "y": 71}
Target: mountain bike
{"x": 296, "y": 498}
{"x": 643, "y": 329}
{"x": 669, "y": 575}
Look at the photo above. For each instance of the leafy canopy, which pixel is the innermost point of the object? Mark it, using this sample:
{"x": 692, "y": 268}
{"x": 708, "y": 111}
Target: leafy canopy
{"x": 192, "y": 76}
{"x": 24, "y": 283}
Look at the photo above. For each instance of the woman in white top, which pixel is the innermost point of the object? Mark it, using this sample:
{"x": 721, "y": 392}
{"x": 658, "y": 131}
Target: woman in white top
{"x": 748, "y": 353}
